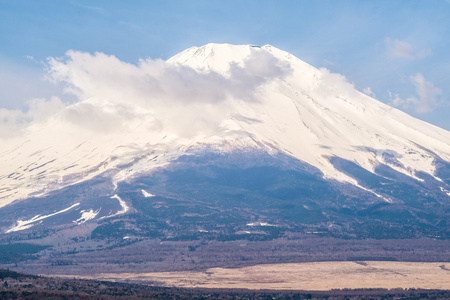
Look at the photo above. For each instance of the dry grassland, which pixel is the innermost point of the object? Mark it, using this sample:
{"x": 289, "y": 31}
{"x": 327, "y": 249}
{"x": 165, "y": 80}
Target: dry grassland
{"x": 320, "y": 276}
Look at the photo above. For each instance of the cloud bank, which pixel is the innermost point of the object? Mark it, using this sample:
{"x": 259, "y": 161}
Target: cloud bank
{"x": 112, "y": 94}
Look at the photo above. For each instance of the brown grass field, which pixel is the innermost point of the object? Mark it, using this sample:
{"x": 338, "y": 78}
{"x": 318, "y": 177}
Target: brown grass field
{"x": 314, "y": 276}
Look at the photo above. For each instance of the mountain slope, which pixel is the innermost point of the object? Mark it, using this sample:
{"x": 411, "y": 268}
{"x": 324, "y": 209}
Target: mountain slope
{"x": 338, "y": 150}
{"x": 307, "y": 113}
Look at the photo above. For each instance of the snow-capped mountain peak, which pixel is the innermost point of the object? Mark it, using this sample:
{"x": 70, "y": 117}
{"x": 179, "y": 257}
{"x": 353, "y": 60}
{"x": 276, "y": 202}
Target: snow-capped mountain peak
{"x": 136, "y": 118}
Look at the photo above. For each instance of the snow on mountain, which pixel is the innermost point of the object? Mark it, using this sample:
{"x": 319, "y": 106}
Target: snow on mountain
{"x": 131, "y": 119}
{"x": 22, "y": 225}
{"x": 313, "y": 114}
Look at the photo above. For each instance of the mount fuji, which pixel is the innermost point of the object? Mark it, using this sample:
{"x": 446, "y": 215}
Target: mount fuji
{"x": 218, "y": 143}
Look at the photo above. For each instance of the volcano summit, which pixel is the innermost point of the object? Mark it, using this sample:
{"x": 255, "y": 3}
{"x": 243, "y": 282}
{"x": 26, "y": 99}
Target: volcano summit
{"x": 219, "y": 143}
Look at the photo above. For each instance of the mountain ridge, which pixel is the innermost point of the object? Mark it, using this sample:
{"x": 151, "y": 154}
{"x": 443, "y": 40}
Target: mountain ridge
{"x": 236, "y": 99}
{"x": 286, "y": 109}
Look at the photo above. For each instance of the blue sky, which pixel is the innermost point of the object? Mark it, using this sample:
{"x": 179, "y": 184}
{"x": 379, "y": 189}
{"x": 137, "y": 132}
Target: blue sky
{"x": 397, "y": 51}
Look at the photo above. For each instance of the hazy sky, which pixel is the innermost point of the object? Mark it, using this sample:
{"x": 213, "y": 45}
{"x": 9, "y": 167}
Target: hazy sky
{"x": 396, "y": 51}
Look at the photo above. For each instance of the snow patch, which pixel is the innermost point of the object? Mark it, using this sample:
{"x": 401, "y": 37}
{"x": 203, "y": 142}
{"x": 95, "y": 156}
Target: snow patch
{"x": 376, "y": 194}
{"x": 260, "y": 224}
{"x": 87, "y": 215}
{"x": 445, "y": 191}
{"x": 123, "y": 204}
{"x": 147, "y": 194}
{"x": 22, "y": 225}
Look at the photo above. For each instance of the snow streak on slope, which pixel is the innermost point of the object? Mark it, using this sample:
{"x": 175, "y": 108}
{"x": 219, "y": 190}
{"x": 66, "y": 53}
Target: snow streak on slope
{"x": 131, "y": 119}
{"x": 123, "y": 204}
{"x": 147, "y": 194}
{"x": 22, "y": 225}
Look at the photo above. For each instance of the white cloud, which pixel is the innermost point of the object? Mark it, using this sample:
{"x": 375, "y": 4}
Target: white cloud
{"x": 404, "y": 49}
{"x": 29, "y": 57}
{"x": 13, "y": 121}
{"x": 40, "y": 109}
{"x": 111, "y": 94}
{"x": 151, "y": 81}
{"x": 368, "y": 91}
{"x": 425, "y": 100}
{"x": 169, "y": 96}
{"x": 19, "y": 83}
{"x": 10, "y": 122}
{"x": 427, "y": 92}
{"x": 334, "y": 84}
{"x": 396, "y": 101}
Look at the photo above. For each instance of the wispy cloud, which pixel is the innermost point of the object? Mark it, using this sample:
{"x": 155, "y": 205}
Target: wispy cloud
{"x": 96, "y": 9}
{"x": 131, "y": 25}
{"x": 427, "y": 92}
{"x": 368, "y": 91}
{"x": 425, "y": 100}
{"x": 404, "y": 49}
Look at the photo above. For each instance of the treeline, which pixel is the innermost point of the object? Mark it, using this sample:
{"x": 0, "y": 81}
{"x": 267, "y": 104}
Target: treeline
{"x": 14, "y": 285}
